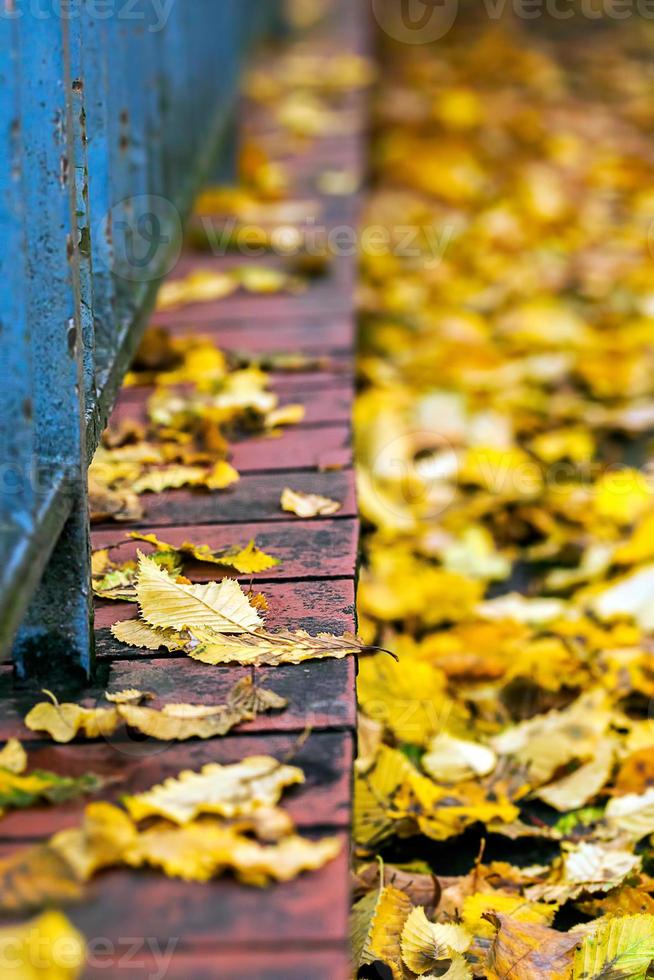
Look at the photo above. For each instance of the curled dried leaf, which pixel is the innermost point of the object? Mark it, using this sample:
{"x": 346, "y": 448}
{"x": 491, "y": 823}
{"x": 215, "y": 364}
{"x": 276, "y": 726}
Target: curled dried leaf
{"x": 308, "y": 504}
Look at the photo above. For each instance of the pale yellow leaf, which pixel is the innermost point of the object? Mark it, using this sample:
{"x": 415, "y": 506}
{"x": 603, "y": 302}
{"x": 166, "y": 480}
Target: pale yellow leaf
{"x": 575, "y": 790}
{"x": 201, "y": 286}
{"x": 228, "y": 791}
{"x": 632, "y": 814}
{"x": 169, "y": 478}
{"x": 632, "y": 596}
{"x": 449, "y": 759}
{"x": 285, "y": 415}
{"x": 13, "y": 757}
{"x": 166, "y": 603}
{"x": 129, "y": 696}
{"x": 476, "y": 907}
{"x": 221, "y": 476}
{"x": 263, "y": 647}
{"x": 100, "y": 842}
{"x": 137, "y": 633}
{"x": 181, "y": 722}
{"x": 308, "y": 504}
{"x": 383, "y": 941}
{"x": 459, "y": 969}
{"x": 64, "y": 721}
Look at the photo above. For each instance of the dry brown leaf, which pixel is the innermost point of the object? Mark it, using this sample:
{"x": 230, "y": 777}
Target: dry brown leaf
{"x": 34, "y": 878}
{"x": 112, "y": 505}
{"x": 528, "y": 951}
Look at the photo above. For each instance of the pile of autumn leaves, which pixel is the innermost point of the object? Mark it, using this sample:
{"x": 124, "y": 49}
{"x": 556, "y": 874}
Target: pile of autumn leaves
{"x": 503, "y": 438}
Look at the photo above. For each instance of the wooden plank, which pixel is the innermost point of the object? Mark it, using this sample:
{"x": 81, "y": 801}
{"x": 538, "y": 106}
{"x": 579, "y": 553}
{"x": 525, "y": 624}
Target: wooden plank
{"x": 256, "y": 494}
{"x": 314, "y": 605}
{"x": 297, "y": 448}
{"x": 320, "y": 693}
{"x": 307, "y": 549}
{"x": 134, "y": 765}
{"x": 321, "y": 404}
{"x": 282, "y": 330}
{"x": 141, "y": 905}
{"x": 163, "y": 963}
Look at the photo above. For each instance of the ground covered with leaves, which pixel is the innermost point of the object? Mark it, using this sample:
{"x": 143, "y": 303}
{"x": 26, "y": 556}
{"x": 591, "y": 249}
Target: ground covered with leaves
{"x": 505, "y": 781}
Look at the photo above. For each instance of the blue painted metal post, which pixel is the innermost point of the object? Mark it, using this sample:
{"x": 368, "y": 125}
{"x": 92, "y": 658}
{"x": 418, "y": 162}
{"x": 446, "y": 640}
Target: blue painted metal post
{"x": 17, "y": 503}
{"x": 57, "y": 632}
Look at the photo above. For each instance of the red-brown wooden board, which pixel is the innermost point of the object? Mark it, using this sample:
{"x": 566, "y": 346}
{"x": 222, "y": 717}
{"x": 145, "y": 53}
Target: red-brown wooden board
{"x": 125, "y": 905}
{"x": 306, "y": 548}
{"x": 255, "y": 497}
{"x": 320, "y": 693}
{"x": 162, "y": 962}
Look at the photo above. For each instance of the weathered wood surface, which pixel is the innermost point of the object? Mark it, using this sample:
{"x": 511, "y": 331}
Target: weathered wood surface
{"x": 255, "y": 498}
{"x": 141, "y": 924}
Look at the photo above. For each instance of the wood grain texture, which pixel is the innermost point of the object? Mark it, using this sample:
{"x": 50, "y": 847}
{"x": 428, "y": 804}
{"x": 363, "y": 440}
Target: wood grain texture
{"x": 306, "y": 549}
